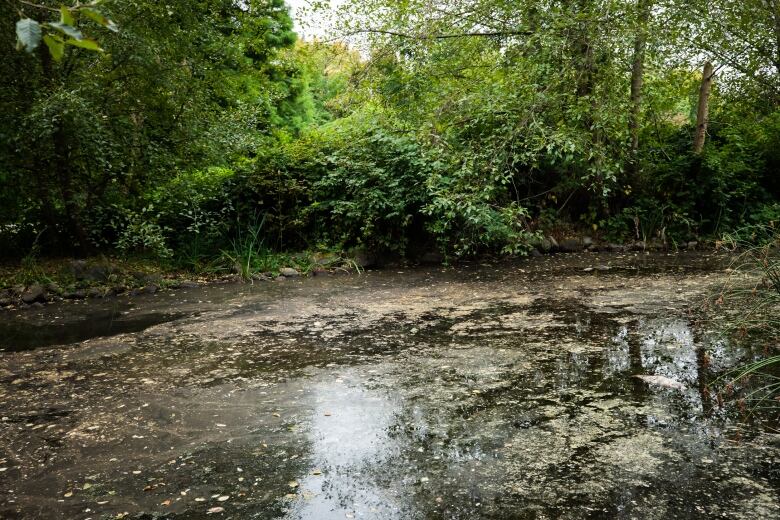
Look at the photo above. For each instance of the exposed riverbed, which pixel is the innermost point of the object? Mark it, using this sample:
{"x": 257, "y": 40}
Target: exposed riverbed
{"x": 500, "y": 390}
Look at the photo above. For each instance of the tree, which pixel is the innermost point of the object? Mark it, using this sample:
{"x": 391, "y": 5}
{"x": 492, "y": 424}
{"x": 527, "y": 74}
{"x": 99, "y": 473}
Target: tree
{"x": 181, "y": 85}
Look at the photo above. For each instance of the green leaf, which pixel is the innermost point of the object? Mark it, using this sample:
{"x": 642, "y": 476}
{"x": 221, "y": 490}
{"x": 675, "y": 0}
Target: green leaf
{"x": 85, "y": 43}
{"x": 56, "y": 46}
{"x": 68, "y": 30}
{"x": 66, "y": 17}
{"x": 29, "y": 33}
{"x": 98, "y": 17}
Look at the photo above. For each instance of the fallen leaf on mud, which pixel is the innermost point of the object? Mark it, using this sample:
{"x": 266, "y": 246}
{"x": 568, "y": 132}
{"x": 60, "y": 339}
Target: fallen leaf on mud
{"x": 215, "y": 510}
{"x": 166, "y": 502}
{"x": 662, "y": 381}
{"x": 223, "y": 498}
{"x": 293, "y": 484}
{"x": 68, "y": 494}
{"x": 200, "y": 499}
{"x": 316, "y": 472}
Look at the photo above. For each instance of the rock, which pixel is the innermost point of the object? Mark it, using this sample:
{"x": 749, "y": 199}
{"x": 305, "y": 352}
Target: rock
{"x": 571, "y": 245}
{"x": 280, "y": 278}
{"x": 587, "y": 241}
{"x": 95, "y": 273}
{"x": 36, "y": 305}
{"x": 78, "y": 268}
{"x": 53, "y": 288}
{"x": 432, "y": 258}
{"x": 692, "y": 244}
{"x": 639, "y": 245}
{"x": 75, "y": 295}
{"x": 151, "y": 279}
{"x": 655, "y": 245}
{"x": 289, "y": 272}
{"x": 662, "y": 381}
{"x": 94, "y": 292}
{"x": 535, "y": 253}
{"x": 150, "y": 289}
{"x": 188, "y": 284}
{"x": 603, "y": 267}
{"x": 327, "y": 260}
{"x": 363, "y": 258}
{"x": 615, "y": 248}
{"x": 34, "y": 293}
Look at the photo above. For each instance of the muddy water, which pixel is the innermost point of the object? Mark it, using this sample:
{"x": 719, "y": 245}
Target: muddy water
{"x": 486, "y": 391}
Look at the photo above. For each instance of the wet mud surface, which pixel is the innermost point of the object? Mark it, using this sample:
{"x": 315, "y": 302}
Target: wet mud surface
{"x": 500, "y": 390}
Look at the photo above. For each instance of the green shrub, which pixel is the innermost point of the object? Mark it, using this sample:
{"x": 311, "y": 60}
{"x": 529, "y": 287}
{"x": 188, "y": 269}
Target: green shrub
{"x": 374, "y": 188}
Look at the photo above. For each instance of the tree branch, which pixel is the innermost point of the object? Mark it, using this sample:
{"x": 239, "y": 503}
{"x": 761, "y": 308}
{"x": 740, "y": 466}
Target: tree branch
{"x": 426, "y": 37}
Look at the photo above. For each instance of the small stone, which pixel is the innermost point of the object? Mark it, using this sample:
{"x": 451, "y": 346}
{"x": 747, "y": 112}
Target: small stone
{"x": 571, "y": 245}
{"x": 289, "y": 272}
{"x": 34, "y": 293}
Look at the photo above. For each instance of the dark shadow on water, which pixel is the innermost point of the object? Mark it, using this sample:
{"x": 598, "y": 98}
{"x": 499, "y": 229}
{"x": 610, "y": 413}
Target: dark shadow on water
{"x": 18, "y": 336}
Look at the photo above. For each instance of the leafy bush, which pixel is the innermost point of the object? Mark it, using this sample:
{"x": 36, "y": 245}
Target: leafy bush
{"x": 374, "y": 188}
{"x": 143, "y": 235}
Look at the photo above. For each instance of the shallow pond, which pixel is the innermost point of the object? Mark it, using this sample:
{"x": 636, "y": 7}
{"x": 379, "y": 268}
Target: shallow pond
{"x": 500, "y": 390}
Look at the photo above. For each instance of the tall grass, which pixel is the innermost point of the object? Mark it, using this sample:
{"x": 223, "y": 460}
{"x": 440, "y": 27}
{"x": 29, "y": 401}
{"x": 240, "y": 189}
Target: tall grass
{"x": 246, "y": 249}
{"x": 753, "y": 288}
{"x": 751, "y": 298}
{"x": 250, "y": 257}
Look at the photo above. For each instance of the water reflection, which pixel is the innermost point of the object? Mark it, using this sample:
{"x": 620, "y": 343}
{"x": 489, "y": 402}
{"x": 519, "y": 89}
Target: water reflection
{"x": 349, "y": 438}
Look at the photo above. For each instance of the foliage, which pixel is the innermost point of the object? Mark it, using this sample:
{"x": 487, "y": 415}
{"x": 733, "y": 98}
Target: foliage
{"x": 63, "y": 30}
{"x": 373, "y": 191}
{"x": 472, "y": 128}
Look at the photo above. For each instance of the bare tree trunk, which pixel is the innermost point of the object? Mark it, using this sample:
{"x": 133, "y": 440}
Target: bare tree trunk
{"x": 637, "y": 78}
{"x": 703, "y": 109}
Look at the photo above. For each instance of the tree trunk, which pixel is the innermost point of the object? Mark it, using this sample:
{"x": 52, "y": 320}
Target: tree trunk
{"x": 60, "y": 169}
{"x": 637, "y": 78}
{"x": 703, "y": 109}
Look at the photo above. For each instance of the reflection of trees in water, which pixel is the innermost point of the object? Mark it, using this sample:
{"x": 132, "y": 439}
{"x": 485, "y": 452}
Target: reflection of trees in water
{"x": 673, "y": 348}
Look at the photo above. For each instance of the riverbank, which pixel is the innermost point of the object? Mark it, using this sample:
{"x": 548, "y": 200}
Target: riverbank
{"x": 35, "y": 283}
